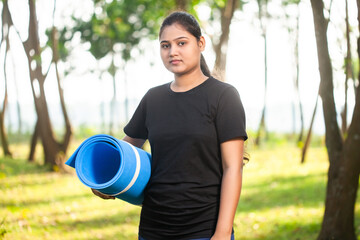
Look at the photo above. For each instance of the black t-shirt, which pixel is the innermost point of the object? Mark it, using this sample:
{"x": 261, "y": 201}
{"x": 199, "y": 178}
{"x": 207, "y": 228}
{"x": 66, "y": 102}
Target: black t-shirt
{"x": 185, "y": 130}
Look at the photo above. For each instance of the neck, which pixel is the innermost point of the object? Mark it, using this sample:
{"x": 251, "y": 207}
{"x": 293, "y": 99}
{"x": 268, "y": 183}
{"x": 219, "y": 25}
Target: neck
{"x": 185, "y": 82}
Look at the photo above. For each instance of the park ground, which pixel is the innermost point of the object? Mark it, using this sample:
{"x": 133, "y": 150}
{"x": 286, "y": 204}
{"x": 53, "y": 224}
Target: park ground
{"x": 281, "y": 199}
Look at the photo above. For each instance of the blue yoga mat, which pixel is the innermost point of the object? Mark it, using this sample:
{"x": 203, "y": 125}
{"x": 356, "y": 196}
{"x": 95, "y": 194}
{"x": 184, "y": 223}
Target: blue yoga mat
{"x": 113, "y": 167}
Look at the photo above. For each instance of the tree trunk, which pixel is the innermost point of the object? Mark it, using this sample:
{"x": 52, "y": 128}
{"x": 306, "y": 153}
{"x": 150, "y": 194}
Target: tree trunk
{"x": 33, "y": 143}
{"x": 297, "y": 76}
{"x": 343, "y": 175}
{"x": 102, "y": 112}
{"x": 126, "y": 95}
{"x": 68, "y": 130}
{"x": 112, "y": 108}
{"x": 6, "y": 24}
{"x": 308, "y": 137}
{"x": 3, "y": 134}
{"x": 54, "y": 152}
{"x": 221, "y": 47}
{"x": 18, "y": 108}
{"x": 262, "y": 125}
{"x": 32, "y": 48}
{"x": 348, "y": 70}
{"x": 113, "y": 102}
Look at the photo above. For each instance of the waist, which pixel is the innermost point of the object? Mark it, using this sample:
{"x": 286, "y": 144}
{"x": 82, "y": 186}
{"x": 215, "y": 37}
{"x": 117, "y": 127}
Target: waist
{"x": 178, "y": 222}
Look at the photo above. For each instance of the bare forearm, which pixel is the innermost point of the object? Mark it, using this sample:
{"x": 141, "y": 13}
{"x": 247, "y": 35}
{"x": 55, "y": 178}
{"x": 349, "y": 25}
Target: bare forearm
{"x": 137, "y": 142}
{"x": 229, "y": 198}
{"x": 232, "y": 162}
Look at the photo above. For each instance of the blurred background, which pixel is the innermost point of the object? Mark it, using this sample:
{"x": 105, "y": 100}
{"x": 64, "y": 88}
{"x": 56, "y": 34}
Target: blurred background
{"x": 72, "y": 69}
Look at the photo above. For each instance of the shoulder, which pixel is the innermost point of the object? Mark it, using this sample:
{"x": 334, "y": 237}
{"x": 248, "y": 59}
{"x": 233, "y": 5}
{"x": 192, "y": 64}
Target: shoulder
{"x": 157, "y": 91}
{"x": 219, "y": 88}
{"x": 161, "y": 87}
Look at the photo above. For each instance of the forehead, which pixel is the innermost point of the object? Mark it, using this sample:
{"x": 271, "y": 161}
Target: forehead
{"x": 174, "y": 31}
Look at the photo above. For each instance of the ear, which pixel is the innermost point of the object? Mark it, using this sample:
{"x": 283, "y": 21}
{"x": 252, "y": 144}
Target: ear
{"x": 202, "y": 43}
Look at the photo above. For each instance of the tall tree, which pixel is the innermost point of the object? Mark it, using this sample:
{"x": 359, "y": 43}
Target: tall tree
{"x": 112, "y": 71}
{"x": 37, "y": 78}
{"x": 309, "y": 133}
{"x": 53, "y": 150}
{"x": 294, "y": 30}
{"x": 6, "y": 25}
{"x": 263, "y": 16}
{"x": 308, "y": 137}
{"x": 64, "y": 144}
{"x": 59, "y": 53}
{"x": 220, "y": 41}
{"x": 18, "y": 108}
{"x": 349, "y": 71}
{"x": 344, "y": 155}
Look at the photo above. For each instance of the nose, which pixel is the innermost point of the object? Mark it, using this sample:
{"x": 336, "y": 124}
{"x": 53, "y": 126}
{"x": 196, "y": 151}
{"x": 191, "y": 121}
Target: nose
{"x": 173, "y": 51}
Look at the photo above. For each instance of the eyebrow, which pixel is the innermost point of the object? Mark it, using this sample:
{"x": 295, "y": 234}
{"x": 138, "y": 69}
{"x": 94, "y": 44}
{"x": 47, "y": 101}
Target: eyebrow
{"x": 166, "y": 41}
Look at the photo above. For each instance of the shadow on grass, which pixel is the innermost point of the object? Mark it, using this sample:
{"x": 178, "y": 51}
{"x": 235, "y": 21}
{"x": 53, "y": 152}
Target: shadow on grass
{"x": 287, "y": 231}
{"x": 306, "y": 191}
{"x": 115, "y": 224}
{"x": 131, "y": 217}
{"x": 15, "y": 167}
{"x": 117, "y": 221}
{"x": 13, "y": 204}
{"x": 31, "y": 179}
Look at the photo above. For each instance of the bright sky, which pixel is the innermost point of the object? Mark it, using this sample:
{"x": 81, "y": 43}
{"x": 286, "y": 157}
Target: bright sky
{"x": 245, "y": 66}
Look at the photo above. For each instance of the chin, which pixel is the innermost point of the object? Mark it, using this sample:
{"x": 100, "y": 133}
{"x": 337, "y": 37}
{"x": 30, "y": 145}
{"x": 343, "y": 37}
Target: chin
{"x": 176, "y": 71}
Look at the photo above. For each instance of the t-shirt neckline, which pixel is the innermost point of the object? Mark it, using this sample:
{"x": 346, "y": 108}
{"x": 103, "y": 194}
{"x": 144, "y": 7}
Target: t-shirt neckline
{"x": 190, "y": 90}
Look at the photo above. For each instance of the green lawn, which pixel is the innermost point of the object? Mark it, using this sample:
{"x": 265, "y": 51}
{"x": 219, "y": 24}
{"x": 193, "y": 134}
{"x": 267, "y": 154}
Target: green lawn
{"x": 281, "y": 199}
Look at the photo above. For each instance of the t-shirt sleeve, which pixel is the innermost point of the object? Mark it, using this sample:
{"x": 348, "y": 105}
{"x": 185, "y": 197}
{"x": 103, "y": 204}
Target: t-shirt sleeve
{"x": 230, "y": 117}
{"x": 136, "y": 127}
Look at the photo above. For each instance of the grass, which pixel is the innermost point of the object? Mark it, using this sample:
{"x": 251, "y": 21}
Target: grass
{"x": 281, "y": 199}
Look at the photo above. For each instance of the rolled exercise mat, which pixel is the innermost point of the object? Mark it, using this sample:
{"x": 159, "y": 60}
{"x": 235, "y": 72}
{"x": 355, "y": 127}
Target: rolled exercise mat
{"x": 113, "y": 167}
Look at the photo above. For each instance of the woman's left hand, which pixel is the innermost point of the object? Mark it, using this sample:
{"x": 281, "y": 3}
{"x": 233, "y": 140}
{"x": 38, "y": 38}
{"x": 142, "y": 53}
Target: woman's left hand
{"x": 102, "y": 195}
{"x": 221, "y": 237}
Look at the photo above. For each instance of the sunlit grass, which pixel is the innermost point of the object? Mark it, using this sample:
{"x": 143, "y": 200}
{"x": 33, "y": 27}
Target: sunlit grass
{"x": 281, "y": 199}
{"x": 55, "y": 206}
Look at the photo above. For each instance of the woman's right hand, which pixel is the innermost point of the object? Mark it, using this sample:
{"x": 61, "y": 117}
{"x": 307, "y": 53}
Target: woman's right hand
{"x": 102, "y": 195}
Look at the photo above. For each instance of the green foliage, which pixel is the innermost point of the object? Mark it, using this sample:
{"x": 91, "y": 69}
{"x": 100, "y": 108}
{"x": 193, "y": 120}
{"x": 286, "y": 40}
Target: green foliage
{"x": 63, "y": 47}
{"x": 116, "y": 27}
{"x": 220, "y": 3}
{"x": 124, "y": 23}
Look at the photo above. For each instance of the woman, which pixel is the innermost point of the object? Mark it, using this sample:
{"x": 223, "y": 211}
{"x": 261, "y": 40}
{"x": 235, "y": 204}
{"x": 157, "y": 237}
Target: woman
{"x": 196, "y": 129}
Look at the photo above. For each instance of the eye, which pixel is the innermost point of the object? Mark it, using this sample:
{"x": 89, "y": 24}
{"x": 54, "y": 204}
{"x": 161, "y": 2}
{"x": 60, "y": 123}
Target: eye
{"x": 181, "y": 43}
{"x": 165, "y": 46}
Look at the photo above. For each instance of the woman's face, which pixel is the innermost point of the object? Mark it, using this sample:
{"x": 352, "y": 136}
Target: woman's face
{"x": 180, "y": 51}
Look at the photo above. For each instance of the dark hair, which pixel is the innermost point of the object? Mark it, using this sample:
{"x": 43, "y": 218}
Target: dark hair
{"x": 190, "y": 24}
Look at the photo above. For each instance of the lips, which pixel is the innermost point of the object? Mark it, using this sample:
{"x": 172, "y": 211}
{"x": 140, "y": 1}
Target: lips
{"x": 175, "y": 61}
